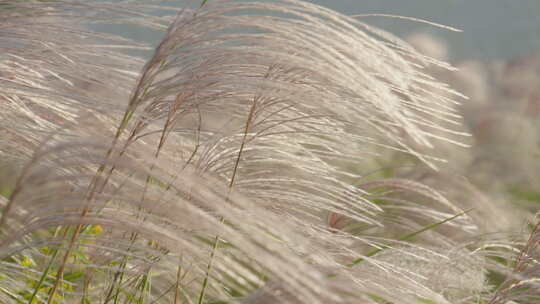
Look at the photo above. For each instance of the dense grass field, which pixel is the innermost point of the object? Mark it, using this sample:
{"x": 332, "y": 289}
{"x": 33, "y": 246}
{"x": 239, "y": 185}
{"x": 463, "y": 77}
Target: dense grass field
{"x": 267, "y": 152}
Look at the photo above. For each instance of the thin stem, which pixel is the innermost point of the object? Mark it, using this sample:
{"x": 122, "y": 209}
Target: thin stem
{"x": 208, "y": 269}
{"x": 177, "y": 285}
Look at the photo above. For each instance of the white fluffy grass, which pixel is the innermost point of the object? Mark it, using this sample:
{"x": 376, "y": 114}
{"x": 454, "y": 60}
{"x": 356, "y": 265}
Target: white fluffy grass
{"x": 217, "y": 167}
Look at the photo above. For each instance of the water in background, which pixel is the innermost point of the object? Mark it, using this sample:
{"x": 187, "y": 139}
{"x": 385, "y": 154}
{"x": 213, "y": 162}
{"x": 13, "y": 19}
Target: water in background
{"x": 492, "y": 29}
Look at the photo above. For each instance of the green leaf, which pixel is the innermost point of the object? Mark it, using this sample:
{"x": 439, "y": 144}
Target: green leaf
{"x": 410, "y": 236}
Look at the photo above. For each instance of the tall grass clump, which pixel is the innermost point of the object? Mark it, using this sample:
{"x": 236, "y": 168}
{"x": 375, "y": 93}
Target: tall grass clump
{"x": 246, "y": 161}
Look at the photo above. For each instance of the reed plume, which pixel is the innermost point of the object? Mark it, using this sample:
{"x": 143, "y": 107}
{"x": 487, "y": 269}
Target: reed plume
{"x": 233, "y": 165}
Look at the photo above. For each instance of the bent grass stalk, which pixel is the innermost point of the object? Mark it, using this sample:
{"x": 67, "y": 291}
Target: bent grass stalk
{"x": 231, "y": 184}
{"x": 128, "y": 114}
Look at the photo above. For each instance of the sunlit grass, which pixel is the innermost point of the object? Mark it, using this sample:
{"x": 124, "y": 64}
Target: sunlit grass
{"x": 252, "y": 159}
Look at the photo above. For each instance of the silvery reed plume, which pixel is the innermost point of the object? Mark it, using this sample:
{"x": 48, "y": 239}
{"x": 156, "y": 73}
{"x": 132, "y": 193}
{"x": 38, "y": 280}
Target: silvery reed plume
{"x": 240, "y": 163}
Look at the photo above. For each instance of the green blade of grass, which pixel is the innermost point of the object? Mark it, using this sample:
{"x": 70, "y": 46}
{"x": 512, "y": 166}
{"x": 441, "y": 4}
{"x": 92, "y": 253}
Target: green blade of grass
{"x": 411, "y": 235}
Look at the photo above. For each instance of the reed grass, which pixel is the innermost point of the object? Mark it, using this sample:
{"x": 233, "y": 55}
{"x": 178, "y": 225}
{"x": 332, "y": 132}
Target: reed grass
{"x": 240, "y": 163}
